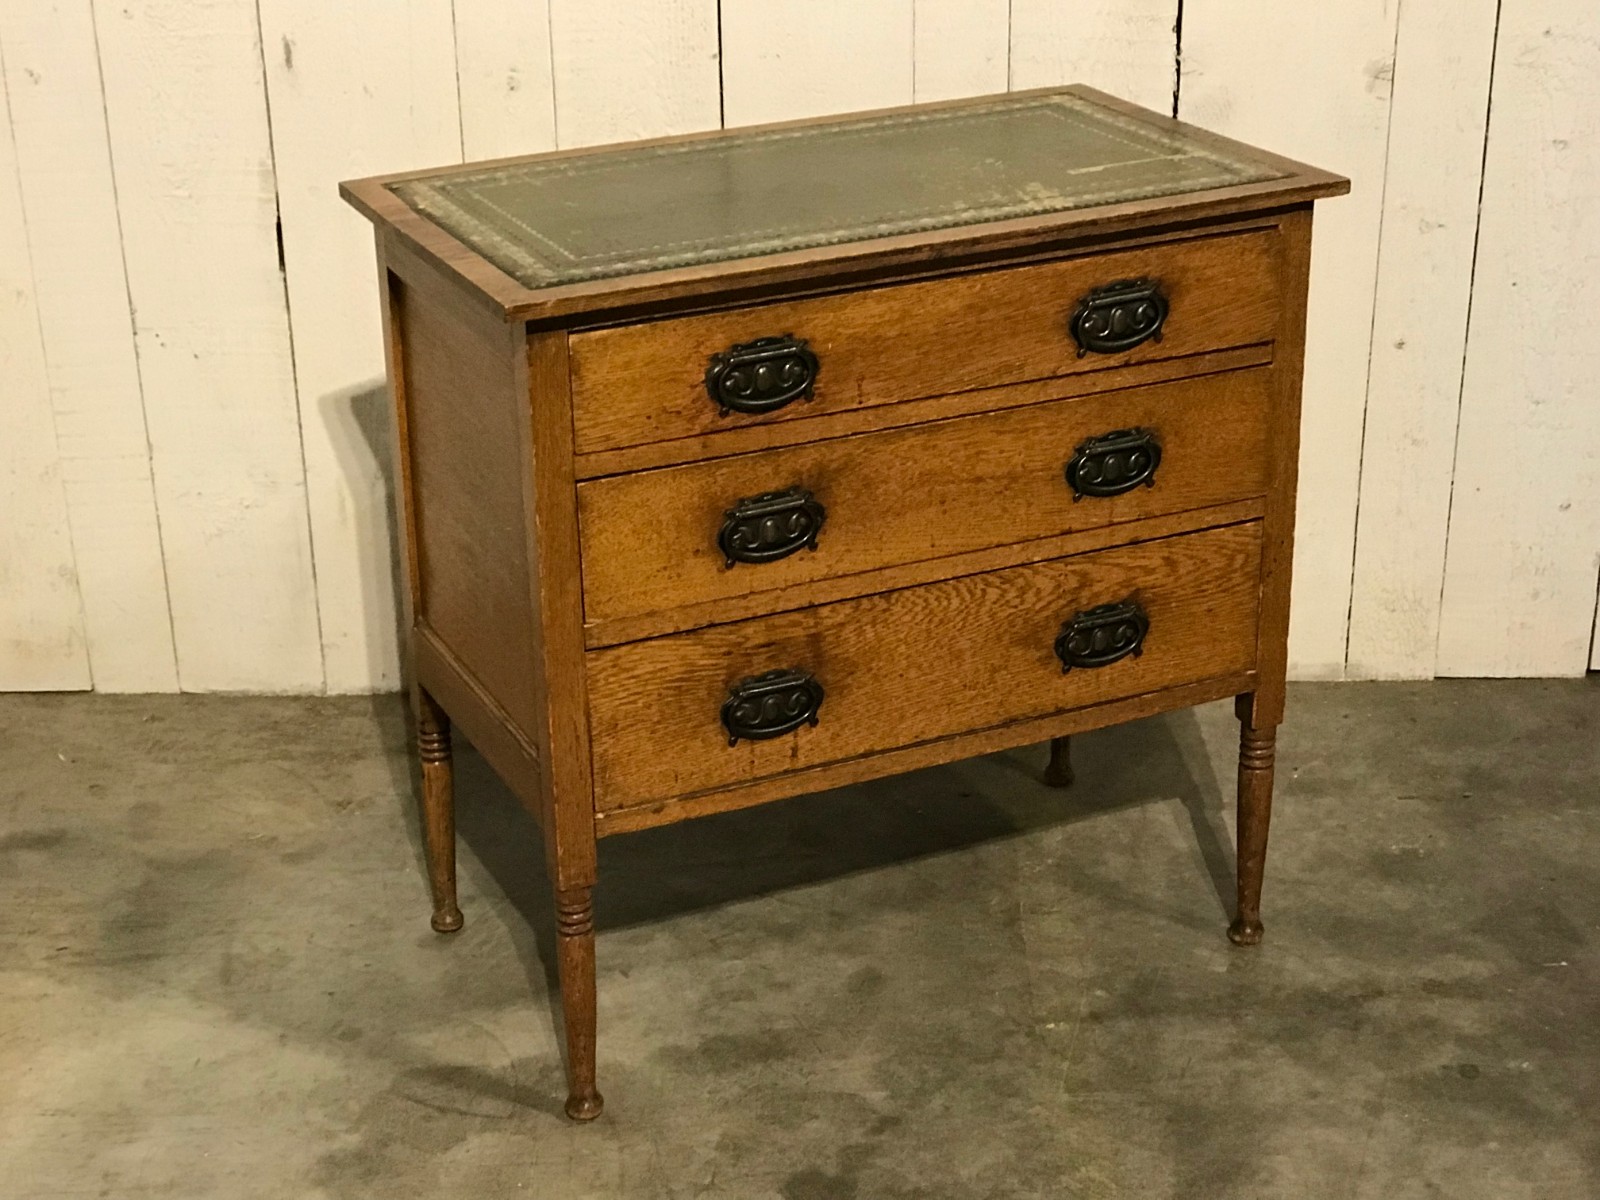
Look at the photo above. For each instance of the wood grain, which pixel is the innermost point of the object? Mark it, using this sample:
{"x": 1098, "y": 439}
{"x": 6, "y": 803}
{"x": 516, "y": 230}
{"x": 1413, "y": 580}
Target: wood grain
{"x": 464, "y": 425}
{"x": 646, "y": 383}
{"x": 990, "y": 558}
{"x": 917, "y": 664}
{"x": 1264, "y": 707}
{"x": 919, "y": 755}
{"x": 1430, "y": 227}
{"x": 63, "y": 166}
{"x": 550, "y": 527}
{"x": 801, "y": 431}
{"x": 907, "y": 495}
{"x": 1519, "y": 583}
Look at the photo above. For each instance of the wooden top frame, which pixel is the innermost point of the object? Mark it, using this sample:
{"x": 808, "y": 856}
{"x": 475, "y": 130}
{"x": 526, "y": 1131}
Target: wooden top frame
{"x": 741, "y": 279}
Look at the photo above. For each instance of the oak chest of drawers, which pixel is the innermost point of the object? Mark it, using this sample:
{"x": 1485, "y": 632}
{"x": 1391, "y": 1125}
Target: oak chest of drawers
{"x": 745, "y": 465}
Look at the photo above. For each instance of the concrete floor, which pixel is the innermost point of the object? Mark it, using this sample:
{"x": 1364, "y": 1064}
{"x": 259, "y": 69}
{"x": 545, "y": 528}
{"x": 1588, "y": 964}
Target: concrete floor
{"x": 217, "y": 976}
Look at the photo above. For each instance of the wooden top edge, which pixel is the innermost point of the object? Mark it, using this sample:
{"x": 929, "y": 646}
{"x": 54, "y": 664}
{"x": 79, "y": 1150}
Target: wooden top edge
{"x": 881, "y": 257}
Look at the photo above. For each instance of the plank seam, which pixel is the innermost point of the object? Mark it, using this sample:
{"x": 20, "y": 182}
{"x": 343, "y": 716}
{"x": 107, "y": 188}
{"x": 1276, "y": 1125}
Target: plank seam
{"x": 455, "y": 59}
{"x": 1466, "y": 339}
{"x": 1372, "y": 331}
{"x": 133, "y": 333}
{"x": 1177, "y": 59}
{"x": 294, "y": 366}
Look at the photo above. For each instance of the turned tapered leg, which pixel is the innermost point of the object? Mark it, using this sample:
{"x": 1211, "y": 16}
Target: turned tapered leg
{"x": 1255, "y": 812}
{"x": 438, "y": 810}
{"x": 575, "y": 950}
{"x": 1059, "y": 772}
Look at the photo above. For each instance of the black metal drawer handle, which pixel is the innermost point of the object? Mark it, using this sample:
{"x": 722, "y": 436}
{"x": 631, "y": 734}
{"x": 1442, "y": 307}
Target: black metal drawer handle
{"x": 1098, "y": 637}
{"x": 770, "y": 705}
{"x": 771, "y": 526}
{"x": 1114, "y": 463}
{"x": 1119, "y": 316}
{"x": 761, "y": 376}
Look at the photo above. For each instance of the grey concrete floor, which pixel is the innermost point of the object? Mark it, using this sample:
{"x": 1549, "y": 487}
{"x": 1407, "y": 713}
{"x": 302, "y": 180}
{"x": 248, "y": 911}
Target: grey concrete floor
{"x": 217, "y": 976}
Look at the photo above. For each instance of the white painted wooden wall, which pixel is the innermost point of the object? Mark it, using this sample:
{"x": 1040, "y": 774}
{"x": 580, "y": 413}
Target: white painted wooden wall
{"x": 193, "y": 437}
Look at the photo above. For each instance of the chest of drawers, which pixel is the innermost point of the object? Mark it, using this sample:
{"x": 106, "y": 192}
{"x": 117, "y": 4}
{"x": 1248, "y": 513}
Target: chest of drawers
{"x": 744, "y": 465}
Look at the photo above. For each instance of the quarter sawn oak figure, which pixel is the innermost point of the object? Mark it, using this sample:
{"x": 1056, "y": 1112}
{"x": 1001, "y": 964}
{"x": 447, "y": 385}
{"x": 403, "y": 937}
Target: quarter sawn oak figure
{"x": 721, "y": 454}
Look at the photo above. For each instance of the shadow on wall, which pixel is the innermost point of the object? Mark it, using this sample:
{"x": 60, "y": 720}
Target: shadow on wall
{"x": 360, "y": 426}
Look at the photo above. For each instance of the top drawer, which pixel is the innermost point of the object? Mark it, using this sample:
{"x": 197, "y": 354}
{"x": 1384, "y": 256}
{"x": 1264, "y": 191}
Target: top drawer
{"x": 637, "y": 384}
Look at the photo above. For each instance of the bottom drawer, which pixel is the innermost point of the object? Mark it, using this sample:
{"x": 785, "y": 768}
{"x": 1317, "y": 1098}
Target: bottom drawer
{"x": 920, "y": 663}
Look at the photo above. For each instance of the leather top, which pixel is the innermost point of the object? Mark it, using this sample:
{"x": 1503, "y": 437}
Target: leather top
{"x": 574, "y": 217}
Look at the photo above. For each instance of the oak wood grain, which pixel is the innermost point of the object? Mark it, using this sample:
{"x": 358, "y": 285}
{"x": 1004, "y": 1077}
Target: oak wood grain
{"x": 918, "y": 755}
{"x": 990, "y": 558}
{"x": 463, "y": 427}
{"x": 906, "y": 495}
{"x": 637, "y": 384}
{"x": 747, "y": 438}
{"x": 918, "y": 663}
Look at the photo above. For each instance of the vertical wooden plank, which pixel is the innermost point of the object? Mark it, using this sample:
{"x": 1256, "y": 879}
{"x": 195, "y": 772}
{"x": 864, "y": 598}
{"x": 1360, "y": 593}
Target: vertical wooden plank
{"x": 52, "y": 72}
{"x": 1443, "y": 54}
{"x": 960, "y": 48}
{"x": 1519, "y": 581}
{"x": 1321, "y": 94}
{"x": 507, "y": 89}
{"x": 628, "y": 69}
{"x": 389, "y": 72}
{"x": 187, "y": 121}
{"x": 41, "y": 620}
{"x": 803, "y": 58}
{"x": 1126, "y": 47}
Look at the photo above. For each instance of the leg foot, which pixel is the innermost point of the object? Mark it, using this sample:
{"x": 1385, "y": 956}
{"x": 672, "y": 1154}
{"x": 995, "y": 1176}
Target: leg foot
{"x": 1058, "y": 774}
{"x": 1256, "y": 752}
{"x": 438, "y": 810}
{"x": 575, "y": 949}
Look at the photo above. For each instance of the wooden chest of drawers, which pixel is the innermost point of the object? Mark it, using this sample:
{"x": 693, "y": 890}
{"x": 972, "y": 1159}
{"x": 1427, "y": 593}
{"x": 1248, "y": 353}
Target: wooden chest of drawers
{"x": 749, "y": 464}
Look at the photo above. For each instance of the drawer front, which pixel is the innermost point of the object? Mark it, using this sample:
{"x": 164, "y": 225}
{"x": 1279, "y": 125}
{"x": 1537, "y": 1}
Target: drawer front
{"x": 920, "y": 663}
{"x": 659, "y": 540}
{"x": 654, "y": 382}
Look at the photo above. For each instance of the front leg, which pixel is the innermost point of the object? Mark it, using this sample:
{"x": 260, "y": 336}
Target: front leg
{"x": 1256, "y": 751}
{"x": 1058, "y": 773}
{"x": 575, "y": 954}
{"x": 438, "y": 810}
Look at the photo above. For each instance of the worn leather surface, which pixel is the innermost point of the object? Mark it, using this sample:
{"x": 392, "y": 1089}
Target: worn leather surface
{"x": 635, "y": 209}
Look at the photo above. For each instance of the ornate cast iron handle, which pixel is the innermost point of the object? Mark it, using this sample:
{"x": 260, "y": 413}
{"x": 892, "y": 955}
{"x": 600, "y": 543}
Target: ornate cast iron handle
{"x": 1119, "y": 316}
{"x": 761, "y": 376}
{"x": 1098, "y": 637}
{"x": 1114, "y": 463}
{"x": 771, "y": 526}
{"x": 770, "y": 705}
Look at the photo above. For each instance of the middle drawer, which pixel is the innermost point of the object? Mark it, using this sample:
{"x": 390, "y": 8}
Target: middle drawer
{"x": 660, "y": 540}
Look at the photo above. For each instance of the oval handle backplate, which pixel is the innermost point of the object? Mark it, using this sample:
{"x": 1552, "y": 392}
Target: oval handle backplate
{"x": 770, "y": 705}
{"x": 1119, "y": 316}
{"x": 771, "y": 526}
{"x": 761, "y": 376}
{"x": 1100, "y": 636}
{"x": 1114, "y": 463}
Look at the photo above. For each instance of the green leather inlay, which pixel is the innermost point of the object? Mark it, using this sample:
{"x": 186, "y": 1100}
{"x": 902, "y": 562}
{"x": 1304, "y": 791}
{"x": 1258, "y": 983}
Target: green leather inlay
{"x": 633, "y": 209}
